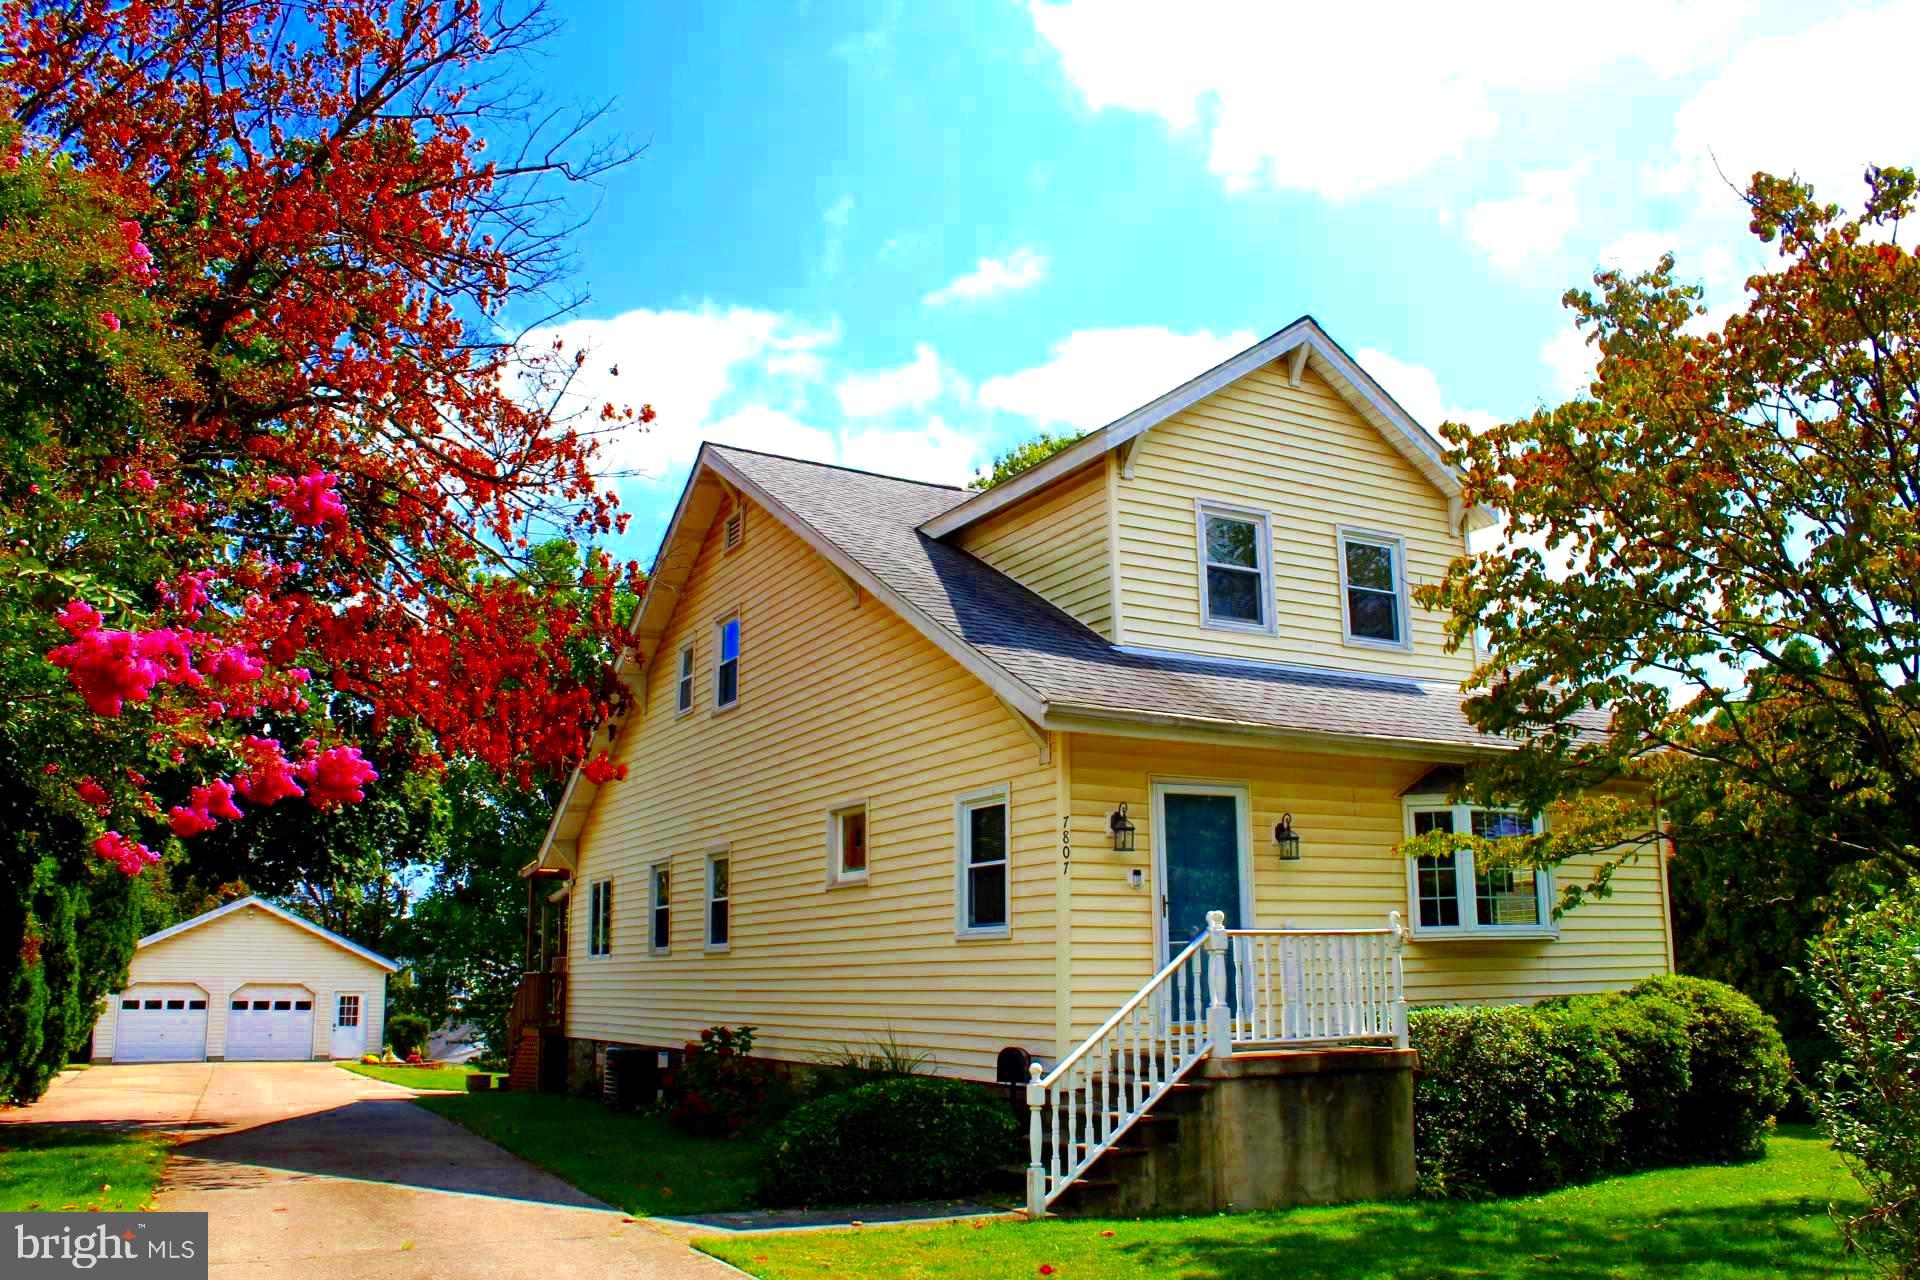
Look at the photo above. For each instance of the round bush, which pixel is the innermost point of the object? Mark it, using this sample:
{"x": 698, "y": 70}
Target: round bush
{"x": 1646, "y": 1036}
{"x": 407, "y": 1033}
{"x": 913, "y": 1138}
{"x": 1737, "y": 1066}
{"x": 1511, "y": 1100}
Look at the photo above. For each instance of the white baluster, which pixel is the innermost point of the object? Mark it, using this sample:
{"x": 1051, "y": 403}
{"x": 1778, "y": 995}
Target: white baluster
{"x": 1219, "y": 1030}
{"x": 1399, "y": 995}
{"x": 1036, "y": 1172}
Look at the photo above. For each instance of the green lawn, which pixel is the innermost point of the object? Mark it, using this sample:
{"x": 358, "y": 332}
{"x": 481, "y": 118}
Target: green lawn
{"x": 415, "y": 1077}
{"x": 50, "y": 1167}
{"x": 1764, "y": 1219}
{"x": 642, "y": 1164}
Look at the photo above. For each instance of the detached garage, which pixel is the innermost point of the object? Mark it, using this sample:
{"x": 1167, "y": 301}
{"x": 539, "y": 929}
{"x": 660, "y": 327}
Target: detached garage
{"x": 247, "y": 981}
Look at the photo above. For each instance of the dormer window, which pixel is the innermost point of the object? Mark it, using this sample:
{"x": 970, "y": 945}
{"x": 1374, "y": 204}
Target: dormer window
{"x": 1236, "y": 587}
{"x": 1373, "y": 594}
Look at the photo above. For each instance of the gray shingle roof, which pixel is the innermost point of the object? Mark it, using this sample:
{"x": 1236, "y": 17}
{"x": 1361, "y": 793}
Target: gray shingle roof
{"x": 873, "y": 520}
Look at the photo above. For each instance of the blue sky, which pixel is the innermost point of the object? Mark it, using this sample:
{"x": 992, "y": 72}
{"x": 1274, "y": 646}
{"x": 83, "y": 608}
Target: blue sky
{"x": 901, "y": 236}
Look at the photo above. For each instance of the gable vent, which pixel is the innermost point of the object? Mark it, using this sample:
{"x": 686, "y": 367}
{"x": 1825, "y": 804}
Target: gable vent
{"x": 736, "y": 528}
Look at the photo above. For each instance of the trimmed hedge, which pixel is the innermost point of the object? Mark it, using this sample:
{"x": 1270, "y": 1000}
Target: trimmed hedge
{"x": 1519, "y": 1099}
{"x": 407, "y": 1033}
{"x": 909, "y": 1138}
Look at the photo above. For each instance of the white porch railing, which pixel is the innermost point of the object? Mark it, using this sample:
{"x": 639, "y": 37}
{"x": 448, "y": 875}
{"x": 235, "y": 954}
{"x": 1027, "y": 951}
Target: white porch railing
{"x": 1248, "y": 988}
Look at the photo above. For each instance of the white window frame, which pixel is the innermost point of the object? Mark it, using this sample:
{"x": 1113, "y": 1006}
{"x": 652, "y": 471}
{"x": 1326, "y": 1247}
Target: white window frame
{"x": 837, "y": 872}
{"x": 962, "y": 829}
{"x": 1397, "y": 546}
{"x": 720, "y": 659}
{"x": 655, "y": 906}
{"x": 714, "y": 858}
{"x": 1465, "y": 883}
{"x": 1263, "y": 558}
{"x": 683, "y": 681}
{"x": 600, "y": 903}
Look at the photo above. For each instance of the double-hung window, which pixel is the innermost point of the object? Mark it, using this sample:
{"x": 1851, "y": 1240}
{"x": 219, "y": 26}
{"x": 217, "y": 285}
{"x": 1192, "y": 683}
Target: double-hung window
{"x": 719, "y": 895}
{"x": 726, "y": 673}
{"x": 600, "y": 918}
{"x": 1451, "y": 895}
{"x": 683, "y": 682}
{"x": 982, "y": 884}
{"x": 1373, "y": 596}
{"x": 660, "y": 926}
{"x": 1236, "y": 585}
{"x": 847, "y": 844}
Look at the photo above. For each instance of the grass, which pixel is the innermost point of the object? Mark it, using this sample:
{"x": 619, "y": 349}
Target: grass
{"x": 642, "y": 1164}
{"x": 52, "y": 1167}
{"x": 415, "y": 1077}
{"x": 1764, "y": 1219}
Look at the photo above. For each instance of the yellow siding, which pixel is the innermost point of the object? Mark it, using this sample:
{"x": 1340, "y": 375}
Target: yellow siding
{"x": 1306, "y": 458}
{"x": 1055, "y": 543}
{"x": 1349, "y": 813}
{"x": 255, "y": 946}
{"x": 838, "y": 702}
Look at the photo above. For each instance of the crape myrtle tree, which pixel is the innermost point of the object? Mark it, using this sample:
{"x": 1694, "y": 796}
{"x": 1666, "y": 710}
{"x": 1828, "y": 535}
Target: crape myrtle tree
{"x": 273, "y": 450}
{"x": 1708, "y": 574}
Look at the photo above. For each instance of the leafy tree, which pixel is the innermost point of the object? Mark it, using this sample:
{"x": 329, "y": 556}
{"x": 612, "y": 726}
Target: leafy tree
{"x": 464, "y": 936}
{"x": 1715, "y": 498}
{"x": 1028, "y": 453}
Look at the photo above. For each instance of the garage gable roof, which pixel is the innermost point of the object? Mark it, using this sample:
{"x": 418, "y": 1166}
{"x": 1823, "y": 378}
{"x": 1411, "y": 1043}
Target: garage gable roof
{"x": 281, "y": 912}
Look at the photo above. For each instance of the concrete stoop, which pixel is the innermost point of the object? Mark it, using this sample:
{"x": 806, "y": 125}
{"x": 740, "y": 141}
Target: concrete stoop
{"x": 1263, "y": 1131}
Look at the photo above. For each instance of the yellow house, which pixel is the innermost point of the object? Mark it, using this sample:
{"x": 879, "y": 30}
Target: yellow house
{"x": 887, "y": 739}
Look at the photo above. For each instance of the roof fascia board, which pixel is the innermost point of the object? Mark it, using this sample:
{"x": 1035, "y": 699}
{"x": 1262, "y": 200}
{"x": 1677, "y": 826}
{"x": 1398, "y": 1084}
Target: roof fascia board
{"x": 1068, "y": 718}
{"x": 253, "y": 900}
{"x": 988, "y": 672}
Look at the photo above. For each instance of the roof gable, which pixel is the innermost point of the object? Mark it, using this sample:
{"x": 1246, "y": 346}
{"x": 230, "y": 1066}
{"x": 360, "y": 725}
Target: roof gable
{"x": 1304, "y": 344}
{"x": 280, "y": 913}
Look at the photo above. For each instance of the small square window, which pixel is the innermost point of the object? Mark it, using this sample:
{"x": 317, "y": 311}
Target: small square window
{"x": 262, "y": 1006}
{"x": 176, "y": 1004}
{"x": 283, "y": 1006}
{"x": 129, "y": 1004}
{"x": 196, "y": 1004}
{"x": 153, "y": 1004}
{"x": 847, "y": 844}
{"x": 302, "y": 1005}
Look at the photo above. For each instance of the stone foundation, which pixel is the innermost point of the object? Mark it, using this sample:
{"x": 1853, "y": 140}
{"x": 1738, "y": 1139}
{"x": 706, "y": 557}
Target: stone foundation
{"x": 1264, "y": 1131}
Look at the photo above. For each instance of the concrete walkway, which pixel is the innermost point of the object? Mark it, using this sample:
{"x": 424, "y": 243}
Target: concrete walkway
{"x": 308, "y": 1171}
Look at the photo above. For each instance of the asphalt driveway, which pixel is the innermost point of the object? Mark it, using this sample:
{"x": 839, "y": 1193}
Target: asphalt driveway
{"x": 305, "y": 1170}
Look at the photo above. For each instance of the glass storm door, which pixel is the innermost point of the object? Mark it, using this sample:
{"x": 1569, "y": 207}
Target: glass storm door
{"x": 1201, "y": 836}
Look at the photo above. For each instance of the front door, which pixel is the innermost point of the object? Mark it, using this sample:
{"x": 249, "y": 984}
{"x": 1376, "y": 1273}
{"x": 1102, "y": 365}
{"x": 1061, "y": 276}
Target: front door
{"x": 1201, "y": 843}
{"x": 349, "y": 1029}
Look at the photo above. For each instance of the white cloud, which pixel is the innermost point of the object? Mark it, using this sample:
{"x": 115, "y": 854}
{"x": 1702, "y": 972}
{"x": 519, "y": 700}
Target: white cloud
{"x": 1637, "y": 251}
{"x": 912, "y": 386}
{"x": 1021, "y": 269}
{"x": 1095, "y": 375}
{"x": 1863, "y": 114}
{"x": 935, "y": 452}
{"x": 1418, "y": 391}
{"x": 1532, "y": 224}
{"x": 1569, "y": 362}
{"x": 1343, "y": 99}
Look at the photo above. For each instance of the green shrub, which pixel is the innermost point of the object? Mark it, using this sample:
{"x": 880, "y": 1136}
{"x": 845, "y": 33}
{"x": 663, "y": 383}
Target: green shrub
{"x": 1646, "y": 1036}
{"x": 1737, "y": 1068}
{"x": 407, "y": 1033}
{"x": 1511, "y": 1100}
{"x": 905, "y": 1138}
{"x": 718, "y": 1090}
{"x": 1865, "y": 980}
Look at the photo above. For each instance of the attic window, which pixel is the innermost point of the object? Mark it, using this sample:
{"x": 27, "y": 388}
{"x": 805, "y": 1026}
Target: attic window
{"x": 736, "y": 528}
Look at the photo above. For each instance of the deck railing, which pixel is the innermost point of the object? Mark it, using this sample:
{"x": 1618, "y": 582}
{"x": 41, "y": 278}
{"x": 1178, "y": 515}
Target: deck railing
{"x": 1228, "y": 988}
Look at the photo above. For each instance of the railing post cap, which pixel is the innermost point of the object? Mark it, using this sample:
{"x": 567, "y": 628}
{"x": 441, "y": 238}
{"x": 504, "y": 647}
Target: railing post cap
{"x": 1216, "y": 919}
{"x": 1035, "y": 1071}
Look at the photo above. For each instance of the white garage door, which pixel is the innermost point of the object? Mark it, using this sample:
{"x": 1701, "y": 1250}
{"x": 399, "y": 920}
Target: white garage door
{"x": 270, "y": 1024}
{"x": 161, "y": 1024}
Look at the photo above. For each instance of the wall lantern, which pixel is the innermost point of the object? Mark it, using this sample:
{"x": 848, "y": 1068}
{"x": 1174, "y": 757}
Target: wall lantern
{"x": 1288, "y": 840}
{"x": 1122, "y": 830}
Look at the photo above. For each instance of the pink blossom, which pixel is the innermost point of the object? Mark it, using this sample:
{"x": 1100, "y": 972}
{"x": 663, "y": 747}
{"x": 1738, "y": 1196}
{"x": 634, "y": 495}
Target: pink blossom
{"x": 335, "y": 776}
{"x": 111, "y": 321}
{"x": 206, "y": 805}
{"x": 311, "y": 500}
{"x": 269, "y": 776}
{"x": 124, "y": 852}
{"x": 233, "y": 665}
{"x": 111, "y": 668}
{"x": 142, "y": 479}
{"x": 93, "y": 793}
{"x": 187, "y": 593}
{"x": 188, "y": 822}
{"x": 139, "y": 257}
{"x": 78, "y": 618}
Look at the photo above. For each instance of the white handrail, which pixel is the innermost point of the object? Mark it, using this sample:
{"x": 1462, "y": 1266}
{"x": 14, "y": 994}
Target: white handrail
{"x": 1227, "y": 988}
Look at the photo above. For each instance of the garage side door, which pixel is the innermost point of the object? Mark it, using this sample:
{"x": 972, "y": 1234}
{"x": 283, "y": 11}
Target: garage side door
{"x": 270, "y": 1024}
{"x": 161, "y": 1024}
